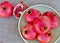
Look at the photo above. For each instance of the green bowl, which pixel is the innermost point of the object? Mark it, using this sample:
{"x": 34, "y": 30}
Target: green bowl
{"x": 42, "y": 9}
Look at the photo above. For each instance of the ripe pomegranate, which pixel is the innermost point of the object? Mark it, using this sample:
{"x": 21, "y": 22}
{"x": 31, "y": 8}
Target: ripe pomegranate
{"x": 6, "y": 9}
{"x": 20, "y": 7}
{"x": 31, "y": 14}
{"x": 45, "y": 38}
{"x": 28, "y": 32}
{"x": 42, "y": 24}
{"x": 53, "y": 17}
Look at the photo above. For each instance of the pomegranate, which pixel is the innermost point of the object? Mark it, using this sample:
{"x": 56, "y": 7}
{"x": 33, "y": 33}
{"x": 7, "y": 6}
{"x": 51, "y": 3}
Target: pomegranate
{"x": 20, "y": 7}
{"x": 6, "y": 9}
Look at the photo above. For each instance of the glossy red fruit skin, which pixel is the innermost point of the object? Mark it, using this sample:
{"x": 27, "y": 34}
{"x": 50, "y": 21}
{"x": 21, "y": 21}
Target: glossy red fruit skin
{"x": 5, "y": 13}
{"x": 53, "y": 17}
{"x": 44, "y": 38}
{"x": 30, "y": 35}
{"x": 42, "y": 24}
{"x": 20, "y": 7}
{"x": 33, "y": 14}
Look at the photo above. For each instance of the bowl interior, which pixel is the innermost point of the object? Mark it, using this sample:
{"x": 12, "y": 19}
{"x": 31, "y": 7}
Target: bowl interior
{"x": 42, "y": 9}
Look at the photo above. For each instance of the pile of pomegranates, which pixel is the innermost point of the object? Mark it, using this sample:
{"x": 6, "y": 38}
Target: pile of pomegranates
{"x": 7, "y": 9}
{"x": 39, "y": 25}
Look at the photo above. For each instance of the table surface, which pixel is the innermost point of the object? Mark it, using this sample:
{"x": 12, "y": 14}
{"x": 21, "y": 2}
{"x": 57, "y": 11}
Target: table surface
{"x": 9, "y": 27}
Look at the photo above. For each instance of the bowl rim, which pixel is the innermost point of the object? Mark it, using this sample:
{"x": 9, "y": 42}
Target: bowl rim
{"x": 23, "y": 14}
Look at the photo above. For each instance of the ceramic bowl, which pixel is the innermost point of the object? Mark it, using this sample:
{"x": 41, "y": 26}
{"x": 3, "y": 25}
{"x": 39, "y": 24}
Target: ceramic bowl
{"x": 42, "y": 9}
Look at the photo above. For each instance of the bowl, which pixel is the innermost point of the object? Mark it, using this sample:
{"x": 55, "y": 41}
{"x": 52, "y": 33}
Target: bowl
{"x": 42, "y": 8}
